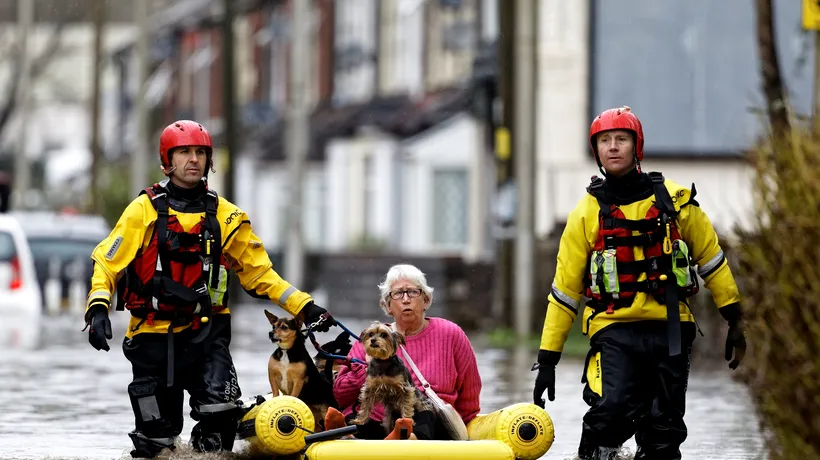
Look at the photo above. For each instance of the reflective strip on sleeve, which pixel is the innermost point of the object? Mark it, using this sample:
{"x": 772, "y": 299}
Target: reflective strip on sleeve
{"x": 565, "y": 299}
{"x": 710, "y": 266}
{"x": 100, "y": 295}
{"x": 283, "y": 299}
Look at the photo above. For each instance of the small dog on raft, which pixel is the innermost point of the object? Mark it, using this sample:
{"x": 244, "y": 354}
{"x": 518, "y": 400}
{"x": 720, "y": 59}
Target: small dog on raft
{"x": 388, "y": 381}
{"x": 292, "y": 371}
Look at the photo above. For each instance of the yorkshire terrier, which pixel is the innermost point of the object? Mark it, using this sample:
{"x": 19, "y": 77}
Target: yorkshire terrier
{"x": 292, "y": 371}
{"x": 388, "y": 381}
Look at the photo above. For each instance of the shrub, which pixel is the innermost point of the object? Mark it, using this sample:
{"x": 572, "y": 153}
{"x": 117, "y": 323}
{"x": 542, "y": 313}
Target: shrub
{"x": 781, "y": 288}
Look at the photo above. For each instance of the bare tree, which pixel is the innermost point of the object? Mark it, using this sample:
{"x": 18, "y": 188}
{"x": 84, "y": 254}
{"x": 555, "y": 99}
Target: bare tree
{"x": 38, "y": 66}
{"x": 772, "y": 81}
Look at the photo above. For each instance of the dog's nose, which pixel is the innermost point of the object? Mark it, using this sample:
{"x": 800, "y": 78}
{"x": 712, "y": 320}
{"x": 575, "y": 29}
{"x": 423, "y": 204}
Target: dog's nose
{"x": 374, "y": 343}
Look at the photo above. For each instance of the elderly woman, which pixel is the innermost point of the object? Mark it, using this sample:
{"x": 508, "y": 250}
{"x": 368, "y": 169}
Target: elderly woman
{"x": 439, "y": 348}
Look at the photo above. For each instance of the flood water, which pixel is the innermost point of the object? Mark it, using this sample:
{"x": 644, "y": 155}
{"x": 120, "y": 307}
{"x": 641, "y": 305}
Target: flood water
{"x": 66, "y": 400}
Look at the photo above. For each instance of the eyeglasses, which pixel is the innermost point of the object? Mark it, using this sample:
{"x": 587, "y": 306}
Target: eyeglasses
{"x": 411, "y": 293}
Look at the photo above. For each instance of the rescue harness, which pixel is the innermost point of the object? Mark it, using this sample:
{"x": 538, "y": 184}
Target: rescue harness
{"x": 175, "y": 277}
{"x": 181, "y": 276}
{"x": 612, "y": 280}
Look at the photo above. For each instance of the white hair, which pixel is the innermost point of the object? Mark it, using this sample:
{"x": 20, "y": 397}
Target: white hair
{"x": 406, "y": 272}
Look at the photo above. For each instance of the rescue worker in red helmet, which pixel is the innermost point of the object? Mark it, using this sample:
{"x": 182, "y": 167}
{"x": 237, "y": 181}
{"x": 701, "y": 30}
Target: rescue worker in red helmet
{"x": 632, "y": 247}
{"x": 168, "y": 258}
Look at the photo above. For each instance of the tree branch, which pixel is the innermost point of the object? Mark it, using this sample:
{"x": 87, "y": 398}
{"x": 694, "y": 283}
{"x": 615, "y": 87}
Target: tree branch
{"x": 38, "y": 66}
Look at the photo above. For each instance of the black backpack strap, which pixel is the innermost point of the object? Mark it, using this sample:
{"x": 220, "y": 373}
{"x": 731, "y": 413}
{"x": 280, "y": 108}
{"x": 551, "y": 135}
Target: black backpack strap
{"x": 212, "y": 226}
{"x": 596, "y": 189}
{"x": 692, "y": 193}
{"x": 159, "y": 199}
{"x": 662, "y": 197}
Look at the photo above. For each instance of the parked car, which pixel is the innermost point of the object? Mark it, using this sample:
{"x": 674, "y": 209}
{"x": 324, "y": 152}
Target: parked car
{"x": 61, "y": 245}
{"x": 21, "y": 303}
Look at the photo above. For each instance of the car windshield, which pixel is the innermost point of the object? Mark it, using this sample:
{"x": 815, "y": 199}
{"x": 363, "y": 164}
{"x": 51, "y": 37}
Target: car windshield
{"x": 65, "y": 249}
{"x": 7, "y": 248}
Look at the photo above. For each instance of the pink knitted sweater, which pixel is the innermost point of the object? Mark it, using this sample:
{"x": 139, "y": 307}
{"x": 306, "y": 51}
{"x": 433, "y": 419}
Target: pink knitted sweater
{"x": 445, "y": 358}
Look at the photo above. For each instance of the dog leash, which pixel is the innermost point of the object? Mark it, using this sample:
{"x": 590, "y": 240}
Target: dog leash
{"x": 344, "y": 328}
{"x": 330, "y": 355}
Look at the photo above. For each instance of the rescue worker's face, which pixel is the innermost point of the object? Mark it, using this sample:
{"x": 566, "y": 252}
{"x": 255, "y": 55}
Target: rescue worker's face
{"x": 616, "y": 150}
{"x": 188, "y": 165}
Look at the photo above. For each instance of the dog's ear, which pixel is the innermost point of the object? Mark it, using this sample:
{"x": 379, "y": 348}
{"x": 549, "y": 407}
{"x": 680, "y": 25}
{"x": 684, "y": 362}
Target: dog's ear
{"x": 271, "y": 317}
{"x": 298, "y": 322}
{"x": 398, "y": 338}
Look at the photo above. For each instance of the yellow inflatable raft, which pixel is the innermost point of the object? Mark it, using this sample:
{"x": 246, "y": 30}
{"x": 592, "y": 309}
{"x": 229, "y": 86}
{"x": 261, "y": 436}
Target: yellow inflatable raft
{"x": 283, "y": 426}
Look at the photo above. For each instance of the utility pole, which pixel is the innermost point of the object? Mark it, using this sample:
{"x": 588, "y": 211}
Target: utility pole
{"x": 297, "y": 136}
{"x": 139, "y": 157}
{"x": 524, "y": 148}
{"x": 98, "y": 16}
{"x": 22, "y": 171}
{"x": 502, "y": 301}
{"x": 229, "y": 96}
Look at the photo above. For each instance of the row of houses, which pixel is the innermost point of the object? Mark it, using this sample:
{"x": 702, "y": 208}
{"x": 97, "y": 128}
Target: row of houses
{"x": 397, "y": 161}
{"x": 404, "y": 97}
{"x": 401, "y": 157}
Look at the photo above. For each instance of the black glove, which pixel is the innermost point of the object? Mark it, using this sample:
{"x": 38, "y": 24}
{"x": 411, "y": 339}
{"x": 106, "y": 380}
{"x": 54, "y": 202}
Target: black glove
{"x": 736, "y": 337}
{"x": 97, "y": 318}
{"x": 547, "y": 360}
{"x": 317, "y": 318}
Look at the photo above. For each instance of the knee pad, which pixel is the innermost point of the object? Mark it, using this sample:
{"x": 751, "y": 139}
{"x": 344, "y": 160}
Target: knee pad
{"x": 143, "y": 393}
{"x": 147, "y": 403}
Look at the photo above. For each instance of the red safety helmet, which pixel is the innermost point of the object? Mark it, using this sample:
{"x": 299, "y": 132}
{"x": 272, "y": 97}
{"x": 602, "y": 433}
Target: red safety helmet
{"x": 184, "y": 133}
{"x": 620, "y": 118}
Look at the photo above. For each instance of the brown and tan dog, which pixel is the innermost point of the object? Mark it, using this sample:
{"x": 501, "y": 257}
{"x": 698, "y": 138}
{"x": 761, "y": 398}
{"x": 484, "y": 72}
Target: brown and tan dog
{"x": 388, "y": 381}
{"x": 292, "y": 371}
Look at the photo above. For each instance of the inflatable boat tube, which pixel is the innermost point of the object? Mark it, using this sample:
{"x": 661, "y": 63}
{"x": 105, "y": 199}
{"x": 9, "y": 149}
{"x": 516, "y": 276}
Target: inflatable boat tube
{"x": 278, "y": 426}
{"x": 357, "y": 449}
{"x": 525, "y": 428}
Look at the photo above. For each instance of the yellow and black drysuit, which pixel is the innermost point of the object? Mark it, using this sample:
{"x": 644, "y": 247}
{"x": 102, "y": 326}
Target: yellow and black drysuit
{"x": 630, "y": 248}
{"x": 168, "y": 258}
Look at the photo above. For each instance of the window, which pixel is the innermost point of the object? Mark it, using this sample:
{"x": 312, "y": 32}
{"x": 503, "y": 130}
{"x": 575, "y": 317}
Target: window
{"x": 690, "y": 70}
{"x": 8, "y": 250}
{"x": 450, "y": 206}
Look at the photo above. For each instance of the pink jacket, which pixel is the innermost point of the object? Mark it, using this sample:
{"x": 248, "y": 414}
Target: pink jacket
{"x": 445, "y": 358}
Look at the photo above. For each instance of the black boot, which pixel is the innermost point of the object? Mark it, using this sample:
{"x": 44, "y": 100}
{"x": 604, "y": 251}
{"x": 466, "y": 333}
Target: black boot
{"x": 145, "y": 447}
{"x": 205, "y": 442}
{"x": 590, "y": 451}
{"x": 607, "y": 453}
{"x": 669, "y": 453}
